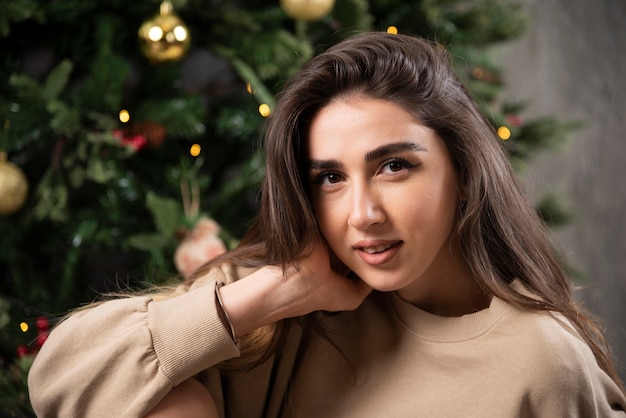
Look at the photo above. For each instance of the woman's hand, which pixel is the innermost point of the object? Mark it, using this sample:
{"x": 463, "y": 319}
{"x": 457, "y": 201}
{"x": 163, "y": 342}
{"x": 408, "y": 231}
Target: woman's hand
{"x": 268, "y": 295}
{"x": 323, "y": 283}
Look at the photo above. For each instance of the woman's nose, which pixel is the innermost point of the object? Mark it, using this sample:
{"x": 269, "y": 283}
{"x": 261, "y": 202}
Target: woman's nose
{"x": 366, "y": 209}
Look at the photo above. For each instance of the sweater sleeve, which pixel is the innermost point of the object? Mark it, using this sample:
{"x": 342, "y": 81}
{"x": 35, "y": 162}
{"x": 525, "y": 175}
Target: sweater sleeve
{"x": 569, "y": 382}
{"x": 578, "y": 391}
{"x": 121, "y": 357}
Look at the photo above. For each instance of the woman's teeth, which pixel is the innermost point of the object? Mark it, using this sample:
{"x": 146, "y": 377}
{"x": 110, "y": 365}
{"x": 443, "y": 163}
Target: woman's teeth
{"x": 376, "y": 249}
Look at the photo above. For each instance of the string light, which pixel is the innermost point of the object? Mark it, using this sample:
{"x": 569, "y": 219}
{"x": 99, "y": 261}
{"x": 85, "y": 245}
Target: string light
{"x": 504, "y": 133}
{"x": 124, "y": 116}
{"x": 392, "y": 30}
{"x": 264, "y": 110}
{"x": 23, "y": 326}
{"x": 195, "y": 150}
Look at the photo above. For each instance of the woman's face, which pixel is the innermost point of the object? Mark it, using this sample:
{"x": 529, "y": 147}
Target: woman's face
{"x": 385, "y": 193}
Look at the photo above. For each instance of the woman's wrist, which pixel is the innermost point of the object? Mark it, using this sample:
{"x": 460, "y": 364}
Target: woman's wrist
{"x": 257, "y": 300}
{"x": 228, "y": 323}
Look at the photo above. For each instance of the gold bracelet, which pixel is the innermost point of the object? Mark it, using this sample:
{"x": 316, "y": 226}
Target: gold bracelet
{"x": 226, "y": 317}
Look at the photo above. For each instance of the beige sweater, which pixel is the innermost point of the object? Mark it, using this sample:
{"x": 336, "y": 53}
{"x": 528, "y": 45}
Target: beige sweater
{"x": 390, "y": 359}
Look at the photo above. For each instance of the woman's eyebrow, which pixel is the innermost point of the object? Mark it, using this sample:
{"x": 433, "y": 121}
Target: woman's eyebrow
{"x": 372, "y": 155}
{"x": 392, "y": 148}
{"x": 324, "y": 165}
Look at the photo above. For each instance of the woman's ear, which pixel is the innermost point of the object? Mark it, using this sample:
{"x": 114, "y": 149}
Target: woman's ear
{"x": 462, "y": 202}
{"x": 462, "y": 195}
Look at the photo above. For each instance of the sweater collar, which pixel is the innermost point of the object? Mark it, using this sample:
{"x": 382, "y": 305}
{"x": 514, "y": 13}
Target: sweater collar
{"x": 449, "y": 329}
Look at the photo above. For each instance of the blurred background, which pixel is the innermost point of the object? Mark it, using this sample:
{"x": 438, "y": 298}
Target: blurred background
{"x": 571, "y": 63}
{"x": 129, "y": 133}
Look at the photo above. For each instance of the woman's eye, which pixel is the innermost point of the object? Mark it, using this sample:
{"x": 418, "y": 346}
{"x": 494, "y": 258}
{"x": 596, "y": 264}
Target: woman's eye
{"x": 395, "y": 165}
{"x": 332, "y": 178}
{"x": 327, "y": 178}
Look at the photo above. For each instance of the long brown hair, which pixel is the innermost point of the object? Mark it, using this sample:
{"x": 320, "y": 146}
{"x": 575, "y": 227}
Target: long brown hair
{"x": 499, "y": 233}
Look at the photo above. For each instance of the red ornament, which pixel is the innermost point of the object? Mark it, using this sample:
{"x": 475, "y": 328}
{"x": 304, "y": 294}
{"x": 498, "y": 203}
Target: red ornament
{"x": 22, "y": 351}
{"x": 514, "y": 120}
{"x": 136, "y": 142}
{"x": 141, "y": 134}
{"x": 42, "y": 323}
{"x": 41, "y": 339}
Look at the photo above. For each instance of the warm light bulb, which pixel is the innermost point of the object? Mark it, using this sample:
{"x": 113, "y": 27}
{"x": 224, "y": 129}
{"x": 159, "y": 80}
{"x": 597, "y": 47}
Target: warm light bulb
{"x": 195, "y": 150}
{"x": 393, "y": 30}
{"x": 264, "y": 110}
{"x": 504, "y": 133}
{"x": 23, "y": 326}
{"x": 124, "y": 116}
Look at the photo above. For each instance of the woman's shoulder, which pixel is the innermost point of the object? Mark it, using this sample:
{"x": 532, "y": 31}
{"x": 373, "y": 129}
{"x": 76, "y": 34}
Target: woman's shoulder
{"x": 551, "y": 335}
{"x": 549, "y": 348}
{"x": 558, "y": 364}
{"x": 541, "y": 329}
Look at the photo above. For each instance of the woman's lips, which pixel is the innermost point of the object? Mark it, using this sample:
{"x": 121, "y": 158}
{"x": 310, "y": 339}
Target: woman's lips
{"x": 376, "y": 249}
{"x": 377, "y": 252}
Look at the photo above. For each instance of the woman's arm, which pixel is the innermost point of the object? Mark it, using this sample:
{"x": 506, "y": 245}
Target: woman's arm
{"x": 122, "y": 357}
{"x": 268, "y": 295}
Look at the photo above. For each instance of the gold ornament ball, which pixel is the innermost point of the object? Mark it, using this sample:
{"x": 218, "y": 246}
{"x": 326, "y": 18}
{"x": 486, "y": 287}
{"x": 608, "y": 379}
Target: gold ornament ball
{"x": 309, "y": 10}
{"x": 13, "y": 186}
{"x": 164, "y": 37}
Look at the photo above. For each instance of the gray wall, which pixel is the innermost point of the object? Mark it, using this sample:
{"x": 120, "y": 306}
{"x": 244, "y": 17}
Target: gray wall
{"x": 572, "y": 63}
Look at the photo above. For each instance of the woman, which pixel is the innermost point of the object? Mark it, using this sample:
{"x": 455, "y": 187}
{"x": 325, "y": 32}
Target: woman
{"x": 381, "y": 174}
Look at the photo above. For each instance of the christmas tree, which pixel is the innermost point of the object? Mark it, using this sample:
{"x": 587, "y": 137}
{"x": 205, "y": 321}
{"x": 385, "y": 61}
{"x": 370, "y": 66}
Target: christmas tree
{"x": 129, "y": 126}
